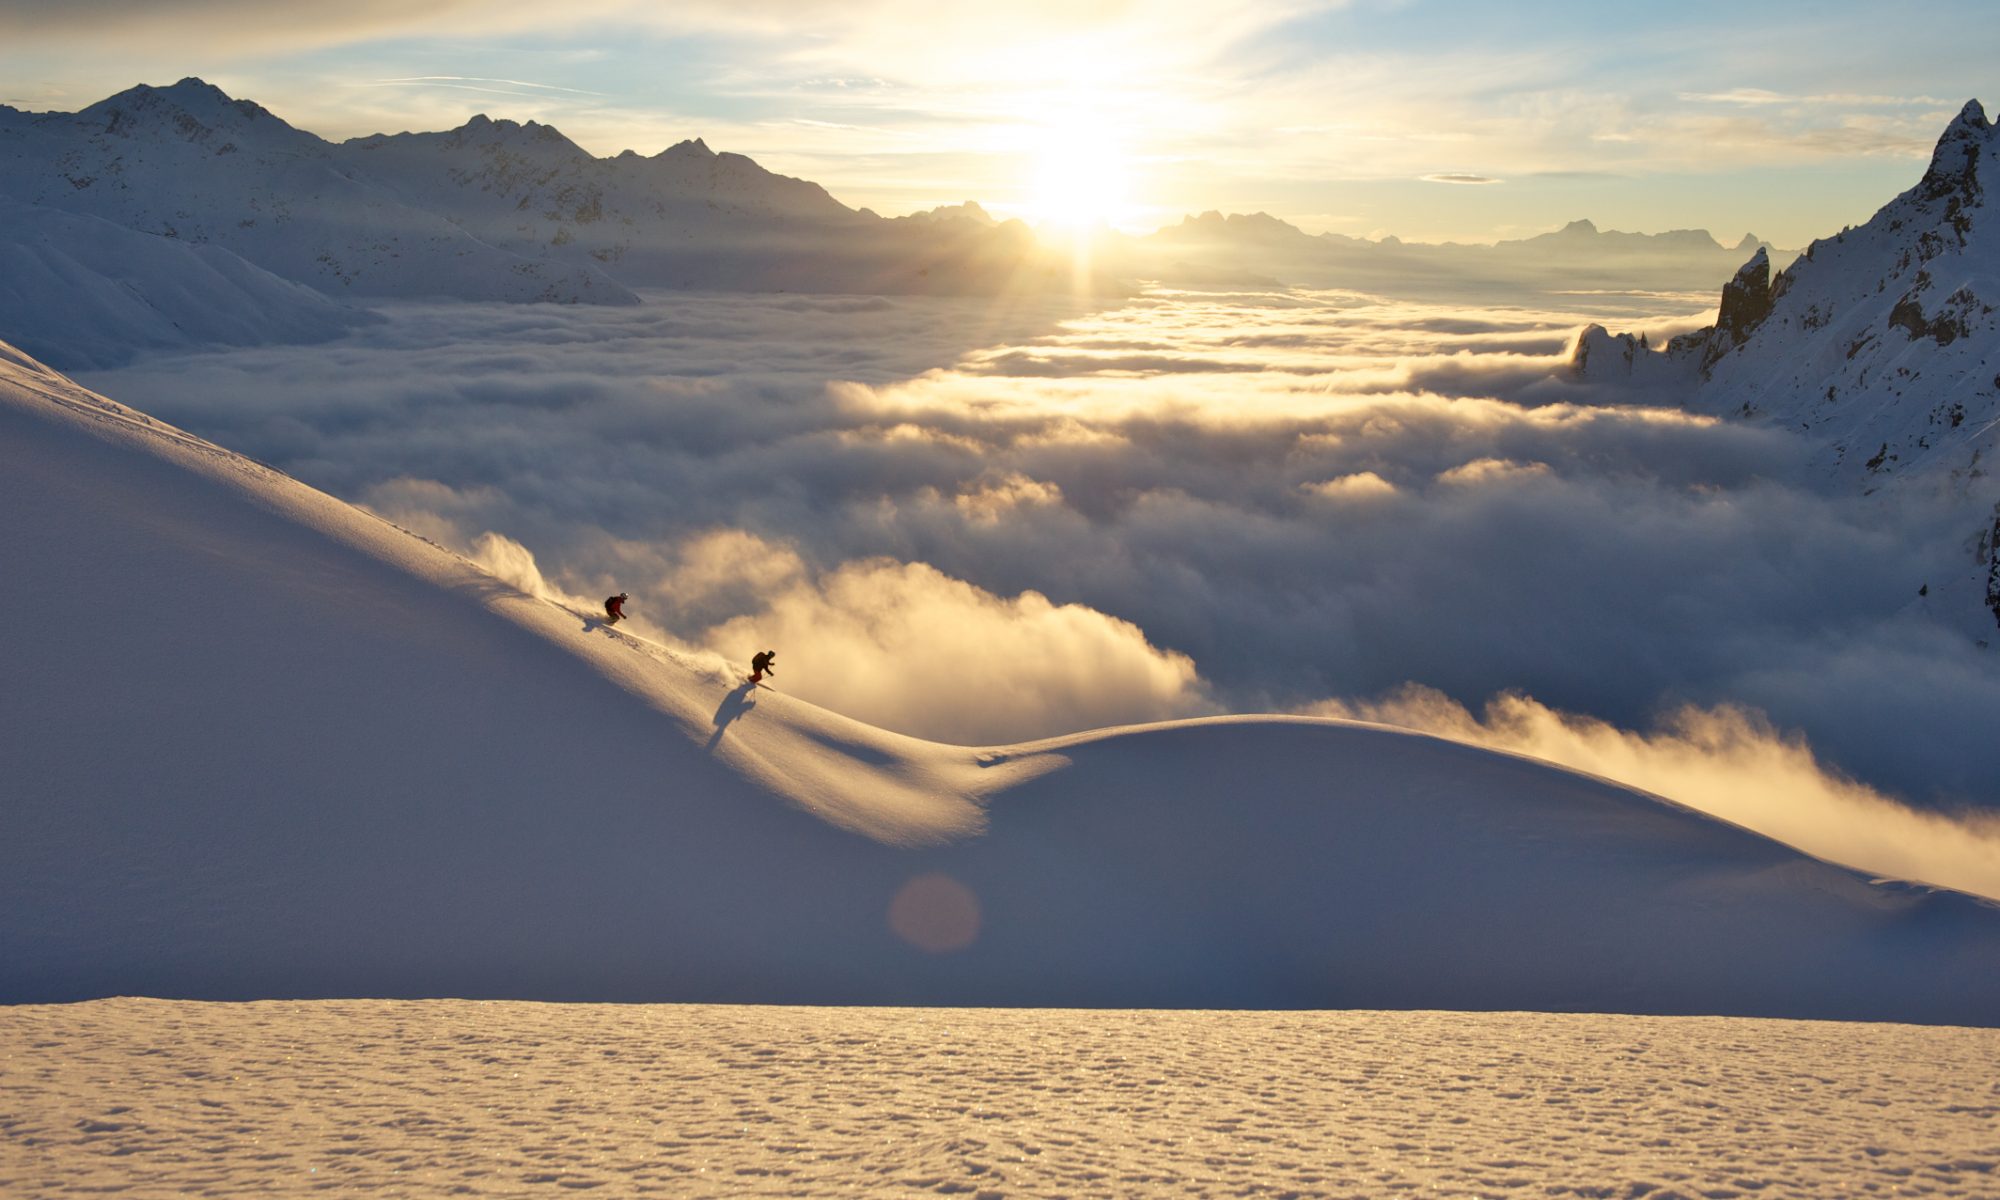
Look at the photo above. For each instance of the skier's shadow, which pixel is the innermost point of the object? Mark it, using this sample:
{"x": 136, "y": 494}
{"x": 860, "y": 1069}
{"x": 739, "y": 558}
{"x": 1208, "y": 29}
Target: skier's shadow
{"x": 734, "y": 705}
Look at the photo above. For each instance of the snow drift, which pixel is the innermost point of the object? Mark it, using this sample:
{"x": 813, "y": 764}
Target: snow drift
{"x": 258, "y": 743}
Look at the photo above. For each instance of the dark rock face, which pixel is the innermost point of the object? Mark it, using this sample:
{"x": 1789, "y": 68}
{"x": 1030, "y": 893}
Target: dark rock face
{"x": 1746, "y": 302}
{"x": 1993, "y": 567}
{"x": 1961, "y": 311}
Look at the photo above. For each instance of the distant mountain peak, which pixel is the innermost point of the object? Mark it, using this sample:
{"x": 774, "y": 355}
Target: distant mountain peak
{"x": 691, "y": 148}
{"x": 1258, "y": 225}
{"x": 485, "y": 130}
{"x": 195, "y": 86}
{"x": 970, "y": 210}
{"x": 192, "y": 97}
{"x": 1954, "y": 165}
{"x": 1973, "y": 115}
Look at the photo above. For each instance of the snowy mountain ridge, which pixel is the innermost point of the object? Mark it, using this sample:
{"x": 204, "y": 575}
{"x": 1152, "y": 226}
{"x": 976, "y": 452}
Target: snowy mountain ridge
{"x": 189, "y": 163}
{"x": 1880, "y": 346}
{"x": 493, "y": 210}
{"x": 304, "y": 753}
{"x": 1881, "y": 343}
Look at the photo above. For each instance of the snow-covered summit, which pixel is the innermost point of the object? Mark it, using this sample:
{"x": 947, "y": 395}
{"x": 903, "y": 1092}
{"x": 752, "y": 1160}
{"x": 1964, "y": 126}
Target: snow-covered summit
{"x": 195, "y": 109}
{"x": 260, "y": 743}
{"x": 1882, "y": 343}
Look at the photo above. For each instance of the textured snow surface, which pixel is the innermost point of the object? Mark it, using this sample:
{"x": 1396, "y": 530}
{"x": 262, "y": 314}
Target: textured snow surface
{"x": 151, "y": 1098}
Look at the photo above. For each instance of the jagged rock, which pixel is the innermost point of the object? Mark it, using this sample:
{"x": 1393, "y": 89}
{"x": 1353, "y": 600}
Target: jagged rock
{"x": 1993, "y": 568}
{"x": 1746, "y": 303}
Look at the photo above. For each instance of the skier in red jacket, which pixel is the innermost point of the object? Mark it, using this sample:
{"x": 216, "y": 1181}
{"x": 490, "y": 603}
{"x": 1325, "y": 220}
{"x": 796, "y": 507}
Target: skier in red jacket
{"x": 614, "y": 609}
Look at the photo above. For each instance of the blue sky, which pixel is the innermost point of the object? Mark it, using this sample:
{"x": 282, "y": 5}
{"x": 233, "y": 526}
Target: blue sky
{"x": 1363, "y": 118}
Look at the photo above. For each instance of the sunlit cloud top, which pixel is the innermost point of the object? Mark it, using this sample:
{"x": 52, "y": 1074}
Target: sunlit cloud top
{"x": 1339, "y": 117}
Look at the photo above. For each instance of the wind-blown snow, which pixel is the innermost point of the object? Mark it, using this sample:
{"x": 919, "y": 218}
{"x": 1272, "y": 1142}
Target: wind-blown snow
{"x": 266, "y": 745}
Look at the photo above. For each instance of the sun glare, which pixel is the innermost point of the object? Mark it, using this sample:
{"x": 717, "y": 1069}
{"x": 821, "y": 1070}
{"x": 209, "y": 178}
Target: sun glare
{"x": 1082, "y": 180}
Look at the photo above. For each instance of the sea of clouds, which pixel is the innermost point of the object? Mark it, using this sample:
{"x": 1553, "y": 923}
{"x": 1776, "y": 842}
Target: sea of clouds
{"x": 984, "y": 521}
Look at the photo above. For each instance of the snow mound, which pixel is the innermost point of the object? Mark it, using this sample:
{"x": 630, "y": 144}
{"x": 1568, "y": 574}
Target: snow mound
{"x": 259, "y": 743}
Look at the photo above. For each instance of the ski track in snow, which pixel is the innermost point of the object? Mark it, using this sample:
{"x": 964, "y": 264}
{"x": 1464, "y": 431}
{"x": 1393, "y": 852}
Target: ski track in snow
{"x": 422, "y": 1098}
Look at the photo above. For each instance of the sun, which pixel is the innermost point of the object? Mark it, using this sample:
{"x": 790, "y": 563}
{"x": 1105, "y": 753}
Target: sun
{"x": 1082, "y": 179}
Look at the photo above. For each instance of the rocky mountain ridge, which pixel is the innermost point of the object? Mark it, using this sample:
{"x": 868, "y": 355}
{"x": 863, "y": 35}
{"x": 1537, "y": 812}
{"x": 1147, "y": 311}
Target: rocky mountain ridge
{"x": 1880, "y": 346}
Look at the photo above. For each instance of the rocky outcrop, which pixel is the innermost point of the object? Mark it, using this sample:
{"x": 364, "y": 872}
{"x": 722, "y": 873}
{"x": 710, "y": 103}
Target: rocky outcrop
{"x": 1746, "y": 304}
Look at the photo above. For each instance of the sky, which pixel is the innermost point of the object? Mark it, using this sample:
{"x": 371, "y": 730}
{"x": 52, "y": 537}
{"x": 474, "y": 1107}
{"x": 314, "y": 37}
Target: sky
{"x": 1426, "y": 119}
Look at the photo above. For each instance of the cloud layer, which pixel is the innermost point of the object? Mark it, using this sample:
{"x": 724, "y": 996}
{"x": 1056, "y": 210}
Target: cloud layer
{"x": 982, "y": 523}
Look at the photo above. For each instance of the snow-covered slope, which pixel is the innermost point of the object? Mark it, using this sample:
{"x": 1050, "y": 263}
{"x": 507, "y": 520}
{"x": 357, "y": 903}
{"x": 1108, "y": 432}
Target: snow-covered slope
{"x": 259, "y": 743}
{"x": 1880, "y": 347}
{"x": 188, "y": 162}
{"x": 78, "y": 291}
{"x": 1881, "y": 343}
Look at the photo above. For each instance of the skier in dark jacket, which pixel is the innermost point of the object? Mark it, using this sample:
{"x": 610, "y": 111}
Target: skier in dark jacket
{"x": 614, "y": 609}
{"x": 760, "y": 666}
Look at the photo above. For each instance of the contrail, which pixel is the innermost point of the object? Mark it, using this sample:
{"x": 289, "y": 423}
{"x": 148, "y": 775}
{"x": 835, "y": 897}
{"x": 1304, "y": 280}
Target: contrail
{"x": 459, "y": 80}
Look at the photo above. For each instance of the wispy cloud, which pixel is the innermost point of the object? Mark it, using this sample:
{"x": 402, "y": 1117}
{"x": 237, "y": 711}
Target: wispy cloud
{"x": 1759, "y": 97}
{"x": 463, "y": 80}
{"x": 1458, "y": 177}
